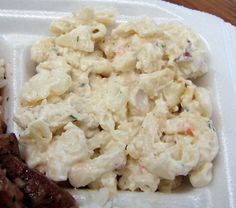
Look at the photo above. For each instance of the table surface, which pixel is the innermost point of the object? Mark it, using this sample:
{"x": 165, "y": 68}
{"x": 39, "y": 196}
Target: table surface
{"x": 225, "y": 9}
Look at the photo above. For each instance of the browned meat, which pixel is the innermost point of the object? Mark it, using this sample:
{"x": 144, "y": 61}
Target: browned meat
{"x": 9, "y": 144}
{"x": 3, "y": 127}
{"x": 39, "y": 191}
{"x": 10, "y": 195}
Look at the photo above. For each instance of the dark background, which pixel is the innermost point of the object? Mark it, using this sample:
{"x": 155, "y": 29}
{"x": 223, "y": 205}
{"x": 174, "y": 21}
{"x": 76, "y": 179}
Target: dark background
{"x": 225, "y": 9}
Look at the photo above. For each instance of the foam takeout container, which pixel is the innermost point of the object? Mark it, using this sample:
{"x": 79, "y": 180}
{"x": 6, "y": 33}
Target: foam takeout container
{"x": 24, "y": 21}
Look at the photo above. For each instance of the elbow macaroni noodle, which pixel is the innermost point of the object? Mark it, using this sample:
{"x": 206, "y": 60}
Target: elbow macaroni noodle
{"x": 117, "y": 107}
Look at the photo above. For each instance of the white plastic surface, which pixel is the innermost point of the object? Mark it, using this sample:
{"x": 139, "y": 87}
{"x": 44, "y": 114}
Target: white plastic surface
{"x": 23, "y": 21}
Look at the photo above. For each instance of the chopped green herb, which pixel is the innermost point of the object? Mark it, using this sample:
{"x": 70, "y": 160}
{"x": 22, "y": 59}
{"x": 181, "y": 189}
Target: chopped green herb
{"x": 56, "y": 51}
{"x": 161, "y": 45}
{"x": 210, "y": 125}
{"x": 74, "y": 118}
{"x": 77, "y": 38}
{"x": 178, "y": 58}
{"x": 82, "y": 84}
{"x": 185, "y": 84}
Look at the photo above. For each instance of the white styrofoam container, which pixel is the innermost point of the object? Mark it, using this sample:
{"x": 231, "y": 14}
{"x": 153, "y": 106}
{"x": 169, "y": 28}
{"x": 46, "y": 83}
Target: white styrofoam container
{"x": 23, "y": 21}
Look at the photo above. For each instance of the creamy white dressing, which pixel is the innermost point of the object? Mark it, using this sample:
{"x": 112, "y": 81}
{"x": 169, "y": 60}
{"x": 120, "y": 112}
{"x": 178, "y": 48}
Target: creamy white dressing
{"x": 118, "y": 110}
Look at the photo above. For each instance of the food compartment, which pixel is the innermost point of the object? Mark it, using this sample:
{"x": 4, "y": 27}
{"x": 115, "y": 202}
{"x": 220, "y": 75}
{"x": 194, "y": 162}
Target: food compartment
{"x": 15, "y": 50}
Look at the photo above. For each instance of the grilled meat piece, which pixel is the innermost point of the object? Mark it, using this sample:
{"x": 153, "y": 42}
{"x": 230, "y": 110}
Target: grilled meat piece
{"x": 39, "y": 191}
{"x": 9, "y": 145}
{"x": 10, "y": 194}
{"x": 3, "y": 127}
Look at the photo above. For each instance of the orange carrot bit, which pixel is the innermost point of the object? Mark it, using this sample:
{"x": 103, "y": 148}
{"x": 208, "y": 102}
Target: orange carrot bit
{"x": 179, "y": 81}
{"x": 188, "y": 131}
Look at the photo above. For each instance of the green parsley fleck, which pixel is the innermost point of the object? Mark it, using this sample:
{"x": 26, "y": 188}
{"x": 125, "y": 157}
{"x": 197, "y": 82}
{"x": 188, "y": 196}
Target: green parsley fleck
{"x": 56, "y": 51}
{"x": 179, "y": 58}
{"x": 82, "y": 84}
{"x": 77, "y": 38}
{"x": 74, "y": 118}
{"x": 161, "y": 45}
{"x": 210, "y": 125}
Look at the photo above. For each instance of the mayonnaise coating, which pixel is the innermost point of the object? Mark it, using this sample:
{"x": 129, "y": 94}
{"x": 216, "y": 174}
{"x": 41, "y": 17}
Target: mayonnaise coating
{"x": 115, "y": 105}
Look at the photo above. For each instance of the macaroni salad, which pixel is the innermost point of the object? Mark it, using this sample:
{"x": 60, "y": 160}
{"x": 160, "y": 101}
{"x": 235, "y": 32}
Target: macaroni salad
{"x": 113, "y": 105}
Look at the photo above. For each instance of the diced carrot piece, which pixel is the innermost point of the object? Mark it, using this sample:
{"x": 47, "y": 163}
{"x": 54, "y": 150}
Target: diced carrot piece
{"x": 179, "y": 81}
{"x": 189, "y": 132}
